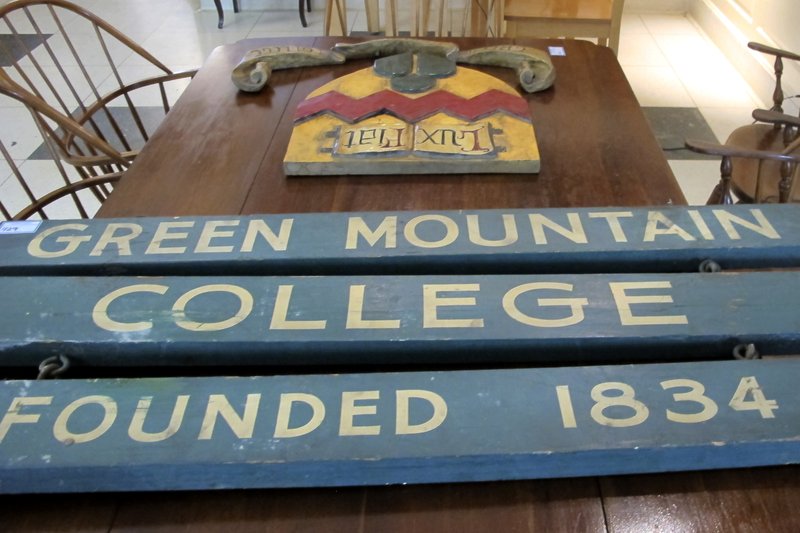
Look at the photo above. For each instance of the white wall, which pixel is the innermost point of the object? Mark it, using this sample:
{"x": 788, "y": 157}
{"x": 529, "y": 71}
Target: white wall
{"x": 771, "y": 22}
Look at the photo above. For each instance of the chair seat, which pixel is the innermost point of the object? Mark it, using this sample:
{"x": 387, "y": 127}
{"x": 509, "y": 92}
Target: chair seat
{"x": 745, "y": 176}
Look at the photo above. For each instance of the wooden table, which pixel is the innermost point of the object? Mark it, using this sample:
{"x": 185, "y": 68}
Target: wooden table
{"x": 220, "y": 152}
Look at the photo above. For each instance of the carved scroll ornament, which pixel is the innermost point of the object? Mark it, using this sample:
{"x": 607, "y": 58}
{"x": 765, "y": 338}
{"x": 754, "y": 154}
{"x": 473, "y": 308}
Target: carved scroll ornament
{"x": 533, "y": 66}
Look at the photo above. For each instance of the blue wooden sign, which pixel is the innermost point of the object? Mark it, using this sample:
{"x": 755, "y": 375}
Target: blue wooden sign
{"x": 576, "y": 240}
{"x": 385, "y": 320}
{"x": 375, "y": 429}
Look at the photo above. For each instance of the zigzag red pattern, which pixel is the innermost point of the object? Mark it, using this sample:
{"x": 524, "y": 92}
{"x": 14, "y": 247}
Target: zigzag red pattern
{"x": 412, "y": 109}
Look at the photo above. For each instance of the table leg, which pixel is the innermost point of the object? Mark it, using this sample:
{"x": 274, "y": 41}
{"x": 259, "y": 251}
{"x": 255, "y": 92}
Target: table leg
{"x": 391, "y": 19}
{"x": 235, "y": 6}
{"x": 303, "y": 15}
{"x": 477, "y": 16}
{"x": 373, "y": 16}
{"x": 335, "y": 18}
{"x": 221, "y": 16}
{"x": 486, "y": 18}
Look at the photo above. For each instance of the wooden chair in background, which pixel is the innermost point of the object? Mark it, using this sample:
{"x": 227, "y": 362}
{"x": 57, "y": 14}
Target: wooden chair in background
{"x": 760, "y": 180}
{"x": 305, "y": 5}
{"x": 335, "y": 23}
{"x": 221, "y": 13}
{"x": 598, "y": 19}
{"x": 786, "y": 162}
{"x": 24, "y": 194}
{"x": 421, "y": 18}
{"x": 66, "y": 57}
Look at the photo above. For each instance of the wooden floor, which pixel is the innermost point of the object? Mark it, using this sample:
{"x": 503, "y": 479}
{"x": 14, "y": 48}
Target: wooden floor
{"x": 757, "y": 500}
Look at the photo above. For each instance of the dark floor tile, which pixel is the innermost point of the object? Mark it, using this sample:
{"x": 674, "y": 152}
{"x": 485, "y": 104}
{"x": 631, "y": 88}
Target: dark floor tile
{"x": 13, "y": 47}
{"x": 151, "y": 117}
{"x": 673, "y": 125}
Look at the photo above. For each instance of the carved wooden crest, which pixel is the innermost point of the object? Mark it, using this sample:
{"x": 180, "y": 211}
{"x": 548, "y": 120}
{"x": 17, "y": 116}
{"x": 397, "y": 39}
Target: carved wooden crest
{"x": 413, "y": 114}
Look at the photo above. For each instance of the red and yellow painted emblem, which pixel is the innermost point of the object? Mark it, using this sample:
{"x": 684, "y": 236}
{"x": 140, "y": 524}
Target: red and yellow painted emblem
{"x": 466, "y": 123}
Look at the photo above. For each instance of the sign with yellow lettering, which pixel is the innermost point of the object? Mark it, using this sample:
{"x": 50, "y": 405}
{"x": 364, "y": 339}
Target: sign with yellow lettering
{"x": 385, "y": 320}
{"x": 584, "y": 240}
{"x": 409, "y": 427}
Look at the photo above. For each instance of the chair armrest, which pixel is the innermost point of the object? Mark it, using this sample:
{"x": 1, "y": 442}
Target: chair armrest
{"x": 776, "y": 117}
{"x": 758, "y": 47}
{"x": 722, "y": 193}
{"x": 724, "y": 150}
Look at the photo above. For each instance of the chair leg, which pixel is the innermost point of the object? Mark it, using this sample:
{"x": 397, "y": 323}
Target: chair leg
{"x": 303, "y": 15}
{"x": 308, "y": 6}
{"x": 235, "y": 6}
{"x": 221, "y": 16}
{"x": 335, "y": 18}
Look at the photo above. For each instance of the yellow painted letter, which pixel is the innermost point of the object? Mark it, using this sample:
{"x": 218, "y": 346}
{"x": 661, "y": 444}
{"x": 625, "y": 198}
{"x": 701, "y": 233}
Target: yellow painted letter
{"x": 355, "y": 312}
{"x": 402, "y": 426}
{"x": 357, "y": 227}
{"x": 450, "y": 227}
{"x": 575, "y": 305}
{"x": 13, "y": 415}
{"x": 624, "y": 301}
{"x": 162, "y": 234}
{"x": 350, "y": 410}
{"x": 475, "y": 237}
{"x": 72, "y": 242}
{"x": 100, "y": 311}
{"x": 122, "y": 242}
{"x": 62, "y": 434}
{"x": 242, "y": 426}
{"x": 279, "y": 314}
{"x": 431, "y": 302}
{"x": 278, "y": 242}
{"x": 288, "y": 399}
{"x": 136, "y": 429}
{"x": 245, "y": 307}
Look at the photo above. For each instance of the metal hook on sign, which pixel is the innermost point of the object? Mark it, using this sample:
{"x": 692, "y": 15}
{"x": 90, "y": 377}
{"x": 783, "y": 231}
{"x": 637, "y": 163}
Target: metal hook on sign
{"x": 53, "y": 367}
{"x": 709, "y": 266}
{"x": 746, "y": 351}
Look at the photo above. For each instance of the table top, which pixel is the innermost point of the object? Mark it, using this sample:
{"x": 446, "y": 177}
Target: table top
{"x": 220, "y": 152}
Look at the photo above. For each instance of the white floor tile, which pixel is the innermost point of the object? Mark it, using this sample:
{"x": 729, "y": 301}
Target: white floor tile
{"x": 657, "y": 86}
{"x": 41, "y": 15}
{"x": 696, "y": 178}
{"x": 285, "y": 23}
{"x": 206, "y": 21}
{"x": 790, "y": 106}
{"x": 658, "y": 24}
{"x": 705, "y": 72}
{"x": 193, "y": 50}
{"x": 640, "y": 49}
{"x": 72, "y": 89}
{"x": 5, "y": 171}
{"x": 723, "y": 120}
{"x": 358, "y": 21}
{"x": 717, "y": 87}
{"x": 43, "y": 177}
{"x": 145, "y": 96}
{"x": 632, "y": 24}
{"x": 24, "y": 138}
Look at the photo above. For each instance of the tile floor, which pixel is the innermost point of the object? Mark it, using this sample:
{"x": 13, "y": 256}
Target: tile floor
{"x": 668, "y": 60}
